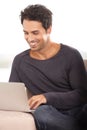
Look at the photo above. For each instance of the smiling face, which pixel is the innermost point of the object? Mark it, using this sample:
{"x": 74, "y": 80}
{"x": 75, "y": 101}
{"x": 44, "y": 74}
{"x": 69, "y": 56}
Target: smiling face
{"x": 36, "y": 36}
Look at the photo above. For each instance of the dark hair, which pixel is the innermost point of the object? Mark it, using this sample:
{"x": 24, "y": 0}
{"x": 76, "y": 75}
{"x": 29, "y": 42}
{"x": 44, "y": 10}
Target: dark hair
{"x": 39, "y": 13}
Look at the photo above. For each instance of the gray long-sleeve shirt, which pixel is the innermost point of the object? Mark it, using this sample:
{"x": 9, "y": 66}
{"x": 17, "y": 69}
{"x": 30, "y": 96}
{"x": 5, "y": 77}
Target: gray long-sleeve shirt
{"x": 61, "y": 78}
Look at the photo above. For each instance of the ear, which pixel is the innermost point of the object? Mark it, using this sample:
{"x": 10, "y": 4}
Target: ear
{"x": 49, "y": 30}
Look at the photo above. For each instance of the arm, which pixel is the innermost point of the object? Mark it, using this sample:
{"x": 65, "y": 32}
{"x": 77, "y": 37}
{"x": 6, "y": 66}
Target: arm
{"x": 14, "y": 76}
{"x": 78, "y": 82}
{"x": 69, "y": 99}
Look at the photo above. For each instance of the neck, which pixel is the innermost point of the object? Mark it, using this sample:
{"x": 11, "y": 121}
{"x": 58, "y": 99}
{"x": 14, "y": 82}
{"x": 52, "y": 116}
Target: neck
{"x": 46, "y": 53}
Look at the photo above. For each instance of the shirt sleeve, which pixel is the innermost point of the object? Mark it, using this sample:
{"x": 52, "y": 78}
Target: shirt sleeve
{"x": 77, "y": 80}
{"x": 14, "y": 76}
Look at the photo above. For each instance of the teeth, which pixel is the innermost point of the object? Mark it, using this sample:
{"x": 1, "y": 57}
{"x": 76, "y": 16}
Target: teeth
{"x": 32, "y": 44}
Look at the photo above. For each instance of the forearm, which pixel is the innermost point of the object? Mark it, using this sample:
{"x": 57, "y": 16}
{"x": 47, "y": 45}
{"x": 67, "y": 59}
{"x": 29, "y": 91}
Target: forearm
{"x": 63, "y": 100}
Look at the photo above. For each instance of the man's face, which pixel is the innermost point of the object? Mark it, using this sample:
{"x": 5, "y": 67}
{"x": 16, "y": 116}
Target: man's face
{"x": 35, "y": 35}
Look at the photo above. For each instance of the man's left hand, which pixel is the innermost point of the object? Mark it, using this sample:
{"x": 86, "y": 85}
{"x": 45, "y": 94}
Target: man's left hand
{"x": 36, "y": 101}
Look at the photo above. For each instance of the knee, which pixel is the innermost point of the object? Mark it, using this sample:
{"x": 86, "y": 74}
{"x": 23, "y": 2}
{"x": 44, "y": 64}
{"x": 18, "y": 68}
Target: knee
{"x": 41, "y": 113}
{"x": 40, "y": 117}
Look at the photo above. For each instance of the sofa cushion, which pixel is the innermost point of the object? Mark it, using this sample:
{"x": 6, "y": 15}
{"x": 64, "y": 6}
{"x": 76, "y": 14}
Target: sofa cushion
{"x": 10, "y": 120}
{"x": 85, "y": 63}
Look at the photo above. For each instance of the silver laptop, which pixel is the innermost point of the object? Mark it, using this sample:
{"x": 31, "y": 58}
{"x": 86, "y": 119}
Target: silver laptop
{"x": 14, "y": 96}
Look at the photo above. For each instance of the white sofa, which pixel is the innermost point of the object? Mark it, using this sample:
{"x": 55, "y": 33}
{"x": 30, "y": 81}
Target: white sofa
{"x": 10, "y": 120}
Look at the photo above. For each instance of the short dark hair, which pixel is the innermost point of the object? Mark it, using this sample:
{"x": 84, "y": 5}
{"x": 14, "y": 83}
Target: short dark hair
{"x": 39, "y": 13}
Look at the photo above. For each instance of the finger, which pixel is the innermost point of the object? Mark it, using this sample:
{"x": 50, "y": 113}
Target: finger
{"x": 33, "y": 101}
{"x": 33, "y": 105}
{"x": 36, "y": 105}
{"x": 37, "y": 100}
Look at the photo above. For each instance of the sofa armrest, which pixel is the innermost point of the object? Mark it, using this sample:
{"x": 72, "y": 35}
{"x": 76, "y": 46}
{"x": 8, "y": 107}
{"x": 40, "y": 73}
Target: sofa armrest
{"x": 10, "y": 120}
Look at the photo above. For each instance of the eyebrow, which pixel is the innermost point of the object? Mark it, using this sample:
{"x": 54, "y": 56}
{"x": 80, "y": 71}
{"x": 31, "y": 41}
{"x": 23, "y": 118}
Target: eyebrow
{"x": 31, "y": 31}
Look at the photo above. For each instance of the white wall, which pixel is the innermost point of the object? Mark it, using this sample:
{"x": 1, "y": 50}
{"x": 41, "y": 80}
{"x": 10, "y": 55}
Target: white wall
{"x": 69, "y": 25}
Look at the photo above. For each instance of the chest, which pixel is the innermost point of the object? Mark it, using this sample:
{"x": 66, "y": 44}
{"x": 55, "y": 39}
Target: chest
{"x": 55, "y": 70}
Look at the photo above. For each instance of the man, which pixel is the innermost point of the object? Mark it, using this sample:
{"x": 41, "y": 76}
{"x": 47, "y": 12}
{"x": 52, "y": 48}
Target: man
{"x": 54, "y": 73}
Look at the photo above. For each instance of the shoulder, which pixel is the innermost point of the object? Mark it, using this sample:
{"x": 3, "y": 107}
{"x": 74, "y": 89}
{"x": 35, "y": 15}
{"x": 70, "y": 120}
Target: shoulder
{"x": 70, "y": 51}
{"x": 19, "y": 57}
{"x": 68, "y": 48}
{"x": 71, "y": 55}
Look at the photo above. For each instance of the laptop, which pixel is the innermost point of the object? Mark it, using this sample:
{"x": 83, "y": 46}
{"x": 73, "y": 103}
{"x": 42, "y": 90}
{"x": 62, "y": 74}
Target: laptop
{"x": 14, "y": 97}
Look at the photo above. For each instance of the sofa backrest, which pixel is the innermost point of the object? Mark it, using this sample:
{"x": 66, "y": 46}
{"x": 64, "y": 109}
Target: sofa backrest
{"x": 85, "y": 62}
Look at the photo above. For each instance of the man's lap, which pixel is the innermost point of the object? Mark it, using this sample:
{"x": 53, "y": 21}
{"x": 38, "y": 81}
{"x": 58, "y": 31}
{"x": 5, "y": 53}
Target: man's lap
{"x": 48, "y": 117}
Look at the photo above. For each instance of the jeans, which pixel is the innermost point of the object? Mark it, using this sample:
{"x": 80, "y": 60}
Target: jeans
{"x": 83, "y": 118}
{"x": 49, "y": 118}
